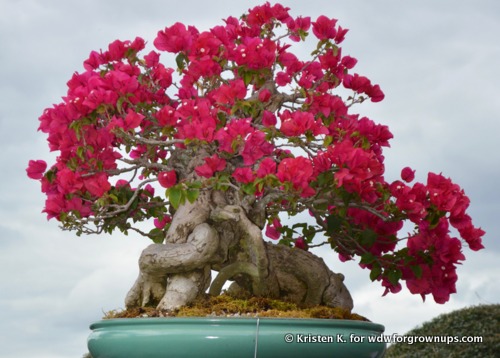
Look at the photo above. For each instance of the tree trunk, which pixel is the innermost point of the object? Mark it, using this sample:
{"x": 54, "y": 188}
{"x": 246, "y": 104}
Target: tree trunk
{"x": 215, "y": 234}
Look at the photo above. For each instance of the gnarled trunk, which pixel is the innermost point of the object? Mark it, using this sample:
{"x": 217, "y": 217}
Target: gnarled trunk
{"x": 214, "y": 234}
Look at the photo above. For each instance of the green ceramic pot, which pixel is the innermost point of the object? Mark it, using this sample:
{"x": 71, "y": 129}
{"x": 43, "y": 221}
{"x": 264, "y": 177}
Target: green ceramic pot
{"x": 234, "y": 337}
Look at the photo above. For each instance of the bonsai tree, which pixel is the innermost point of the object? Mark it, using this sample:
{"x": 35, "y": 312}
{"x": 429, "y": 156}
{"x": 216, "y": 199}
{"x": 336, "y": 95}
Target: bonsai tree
{"x": 241, "y": 140}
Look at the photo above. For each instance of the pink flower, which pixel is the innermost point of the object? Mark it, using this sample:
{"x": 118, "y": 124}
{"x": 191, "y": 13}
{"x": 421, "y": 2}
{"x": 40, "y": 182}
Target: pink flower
{"x": 122, "y": 82}
{"x": 54, "y": 205}
{"x": 97, "y": 184}
{"x": 357, "y": 83}
{"x": 243, "y": 175}
{"x": 327, "y": 104}
{"x": 36, "y": 168}
{"x": 255, "y": 53}
{"x": 349, "y": 62}
{"x": 77, "y": 204}
{"x": 116, "y": 50}
{"x": 263, "y": 14}
{"x": 166, "y": 116}
{"x": 132, "y": 120}
{"x": 407, "y": 174}
{"x": 272, "y": 230}
{"x": 175, "y": 38}
{"x": 282, "y": 79}
{"x": 160, "y": 224}
{"x": 300, "y": 243}
{"x": 68, "y": 181}
{"x": 232, "y": 136}
{"x": 290, "y": 61}
{"x": 256, "y": 147}
{"x": 299, "y": 24}
{"x": 268, "y": 119}
{"x": 472, "y": 235}
{"x": 266, "y": 167}
{"x": 298, "y": 122}
{"x": 150, "y": 190}
{"x": 389, "y": 287}
{"x": 375, "y": 93}
{"x": 339, "y": 37}
{"x": 167, "y": 179}
{"x": 264, "y": 95}
{"x": 206, "y": 44}
{"x": 163, "y": 75}
{"x": 122, "y": 183}
{"x": 324, "y": 28}
{"x": 299, "y": 172}
{"x": 152, "y": 59}
{"x": 228, "y": 93}
{"x": 138, "y": 152}
{"x": 212, "y": 164}
{"x": 94, "y": 61}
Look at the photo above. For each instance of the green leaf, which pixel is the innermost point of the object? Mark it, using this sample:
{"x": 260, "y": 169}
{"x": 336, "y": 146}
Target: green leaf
{"x": 51, "y": 176}
{"x": 375, "y": 272}
{"x": 222, "y": 118}
{"x": 248, "y": 188}
{"x": 434, "y": 217}
{"x": 303, "y": 34}
{"x": 192, "y": 195}
{"x": 79, "y": 152}
{"x": 394, "y": 276}
{"x": 63, "y": 216}
{"x": 325, "y": 179}
{"x": 114, "y": 198}
{"x": 367, "y": 258}
{"x": 247, "y": 77}
{"x": 119, "y": 104}
{"x": 333, "y": 224}
{"x": 309, "y": 233}
{"x": 134, "y": 204}
{"x": 321, "y": 207}
{"x": 181, "y": 61}
{"x": 196, "y": 184}
{"x": 368, "y": 238}
{"x": 156, "y": 235}
{"x": 175, "y": 196}
{"x": 328, "y": 140}
{"x": 417, "y": 271}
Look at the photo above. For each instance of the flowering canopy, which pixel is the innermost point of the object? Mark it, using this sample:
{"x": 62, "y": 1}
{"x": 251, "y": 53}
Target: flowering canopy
{"x": 263, "y": 122}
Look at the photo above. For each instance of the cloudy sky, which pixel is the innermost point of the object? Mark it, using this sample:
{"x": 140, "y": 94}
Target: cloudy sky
{"x": 437, "y": 62}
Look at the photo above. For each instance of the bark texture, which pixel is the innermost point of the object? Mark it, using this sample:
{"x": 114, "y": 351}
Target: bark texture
{"x": 217, "y": 233}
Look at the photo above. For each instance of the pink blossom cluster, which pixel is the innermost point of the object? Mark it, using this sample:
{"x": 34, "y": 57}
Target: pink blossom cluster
{"x": 260, "y": 120}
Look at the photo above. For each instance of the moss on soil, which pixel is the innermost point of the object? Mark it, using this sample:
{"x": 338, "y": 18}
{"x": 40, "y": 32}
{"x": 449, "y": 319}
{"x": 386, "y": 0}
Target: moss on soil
{"x": 227, "y": 306}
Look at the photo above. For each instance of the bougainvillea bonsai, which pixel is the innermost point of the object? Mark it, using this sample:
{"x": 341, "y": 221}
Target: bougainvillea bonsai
{"x": 211, "y": 156}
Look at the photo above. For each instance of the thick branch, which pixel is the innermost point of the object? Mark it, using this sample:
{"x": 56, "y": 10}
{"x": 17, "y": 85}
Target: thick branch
{"x": 252, "y": 245}
{"x": 152, "y": 142}
{"x": 168, "y": 258}
{"x": 229, "y": 272}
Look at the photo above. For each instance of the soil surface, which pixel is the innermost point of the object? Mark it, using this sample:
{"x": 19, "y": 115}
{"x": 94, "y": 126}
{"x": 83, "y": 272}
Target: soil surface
{"x": 227, "y": 306}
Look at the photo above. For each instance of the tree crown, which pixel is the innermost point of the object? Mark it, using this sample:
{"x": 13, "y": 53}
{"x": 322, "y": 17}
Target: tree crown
{"x": 241, "y": 112}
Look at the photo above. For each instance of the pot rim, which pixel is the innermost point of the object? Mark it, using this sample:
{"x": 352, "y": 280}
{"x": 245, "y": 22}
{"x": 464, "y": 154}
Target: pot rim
{"x": 271, "y": 321}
